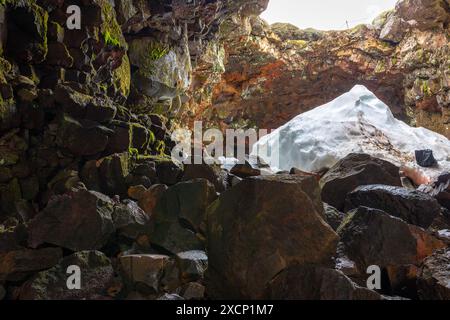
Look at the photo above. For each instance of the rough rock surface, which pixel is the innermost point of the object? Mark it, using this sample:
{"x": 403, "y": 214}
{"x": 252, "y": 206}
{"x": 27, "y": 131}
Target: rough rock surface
{"x": 285, "y": 209}
{"x": 414, "y": 207}
{"x": 353, "y": 171}
{"x": 433, "y": 279}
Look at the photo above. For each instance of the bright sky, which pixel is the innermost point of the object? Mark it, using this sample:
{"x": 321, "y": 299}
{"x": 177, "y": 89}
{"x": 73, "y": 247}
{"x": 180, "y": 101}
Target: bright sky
{"x": 325, "y": 14}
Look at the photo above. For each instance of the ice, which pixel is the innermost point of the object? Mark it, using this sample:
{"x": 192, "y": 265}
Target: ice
{"x": 356, "y": 122}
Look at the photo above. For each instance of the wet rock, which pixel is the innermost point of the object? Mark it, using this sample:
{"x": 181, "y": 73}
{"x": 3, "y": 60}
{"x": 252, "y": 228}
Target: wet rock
{"x": 130, "y": 220}
{"x": 414, "y": 207}
{"x": 425, "y": 158}
{"x": 434, "y": 277}
{"x": 333, "y": 216}
{"x": 179, "y": 214}
{"x": 284, "y": 208}
{"x": 16, "y": 265}
{"x": 316, "y": 283}
{"x": 145, "y": 269}
{"x": 97, "y": 276}
{"x": 80, "y": 220}
{"x": 353, "y": 171}
{"x": 192, "y": 265}
{"x": 372, "y": 237}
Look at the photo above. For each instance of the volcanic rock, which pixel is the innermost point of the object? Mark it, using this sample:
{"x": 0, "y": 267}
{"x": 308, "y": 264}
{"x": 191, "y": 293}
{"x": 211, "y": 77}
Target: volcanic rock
{"x": 434, "y": 277}
{"x": 353, "y": 171}
{"x": 414, "y": 207}
{"x": 287, "y": 210}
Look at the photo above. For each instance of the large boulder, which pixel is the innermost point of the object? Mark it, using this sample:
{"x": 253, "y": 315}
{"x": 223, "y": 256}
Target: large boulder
{"x": 80, "y": 220}
{"x": 97, "y": 277}
{"x": 259, "y": 228}
{"x": 353, "y": 171}
{"x": 130, "y": 220}
{"x": 414, "y": 207}
{"x": 317, "y": 283}
{"x": 372, "y": 237}
{"x": 434, "y": 277}
{"x": 179, "y": 215}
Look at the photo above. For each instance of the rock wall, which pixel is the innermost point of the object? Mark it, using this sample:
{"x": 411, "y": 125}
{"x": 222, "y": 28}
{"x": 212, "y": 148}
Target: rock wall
{"x": 273, "y": 73}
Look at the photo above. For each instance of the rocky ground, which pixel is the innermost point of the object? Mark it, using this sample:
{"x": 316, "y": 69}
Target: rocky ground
{"x": 86, "y": 180}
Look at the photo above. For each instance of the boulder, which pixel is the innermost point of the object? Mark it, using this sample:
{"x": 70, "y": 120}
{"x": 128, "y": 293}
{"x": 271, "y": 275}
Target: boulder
{"x": 148, "y": 198}
{"x": 97, "y": 277}
{"x": 16, "y": 265}
{"x": 73, "y": 135}
{"x": 439, "y": 189}
{"x": 434, "y": 277}
{"x": 130, "y": 220}
{"x": 193, "y": 291}
{"x": 259, "y": 228}
{"x": 79, "y": 220}
{"x": 245, "y": 170}
{"x": 144, "y": 269}
{"x": 353, "y": 171}
{"x": 214, "y": 174}
{"x": 373, "y": 237}
{"x": 414, "y": 207}
{"x": 179, "y": 214}
{"x": 316, "y": 283}
{"x": 192, "y": 265}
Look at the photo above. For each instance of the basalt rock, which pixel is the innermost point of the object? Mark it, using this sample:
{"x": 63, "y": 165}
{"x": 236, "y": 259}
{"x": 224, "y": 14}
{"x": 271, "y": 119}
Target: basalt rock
{"x": 414, "y": 207}
{"x": 372, "y": 237}
{"x": 80, "y": 220}
{"x": 17, "y": 265}
{"x": 286, "y": 209}
{"x": 353, "y": 171}
{"x": 180, "y": 214}
{"x": 317, "y": 283}
{"x": 434, "y": 277}
{"x": 97, "y": 278}
{"x": 192, "y": 265}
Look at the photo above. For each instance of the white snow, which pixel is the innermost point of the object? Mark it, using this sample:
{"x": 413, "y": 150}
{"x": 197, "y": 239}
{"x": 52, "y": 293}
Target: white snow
{"x": 356, "y": 122}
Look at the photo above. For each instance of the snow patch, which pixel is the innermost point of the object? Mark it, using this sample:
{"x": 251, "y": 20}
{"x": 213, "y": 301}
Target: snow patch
{"x": 356, "y": 122}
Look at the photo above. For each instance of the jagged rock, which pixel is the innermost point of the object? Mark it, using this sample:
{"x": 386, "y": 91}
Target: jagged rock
{"x": 214, "y": 174}
{"x": 130, "y": 220}
{"x": 101, "y": 110}
{"x": 17, "y": 265}
{"x": 168, "y": 171}
{"x": 193, "y": 291}
{"x": 353, "y": 171}
{"x": 414, "y": 207}
{"x": 108, "y": 175}
{"x": 145, "y": 269}
{"x": 372, "y": 237}
{"x": 79, "y": 220}
{"x": 148, "y": 198}
{"x": 333, "y": 216}
{"x": 316, "y": 283}
{"x": 245, "y": 170}
{"x": 434, "y": 277}
{"x": 287, "y": 210}
{"x": 73, "y": 103}
{"x": 192, "y": 265}
{"x": 394, "y": 29}
{"x": 74, "y": 134}
{"x": 97, "y": 276}
{"x": 179, "y": 214}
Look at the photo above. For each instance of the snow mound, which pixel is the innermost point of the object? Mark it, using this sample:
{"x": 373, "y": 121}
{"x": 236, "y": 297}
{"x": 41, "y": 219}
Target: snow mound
{"x": 356, "y": 122}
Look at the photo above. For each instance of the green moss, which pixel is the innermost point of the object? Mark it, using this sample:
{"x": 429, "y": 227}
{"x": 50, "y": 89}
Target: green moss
{"x": 122, "y": 76}
{"x": 426, "y": 90}
{"x": 144, "y": 54}
{"x": 110, "y": 40}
